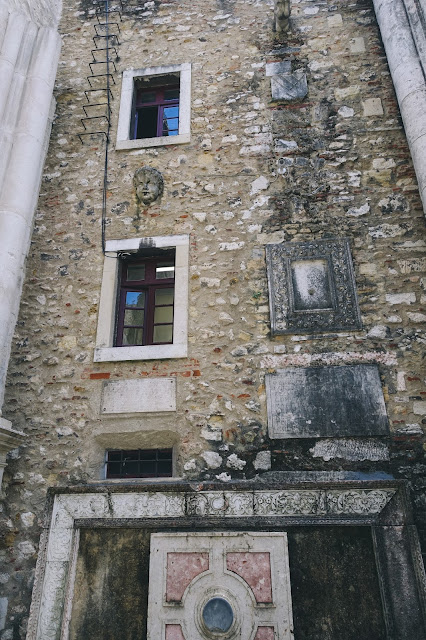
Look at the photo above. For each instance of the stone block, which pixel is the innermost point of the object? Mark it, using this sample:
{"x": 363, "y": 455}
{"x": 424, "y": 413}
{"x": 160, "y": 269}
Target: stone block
{"x": 312, "y": 287}
{"x": 372, "y": 107}
{"x": 139, "y": 396}
{"x": 335, "y": 401}
{"x": 276, "y": 68}
{"x": 289, "y": 86}
{"x": 357, "y": 45}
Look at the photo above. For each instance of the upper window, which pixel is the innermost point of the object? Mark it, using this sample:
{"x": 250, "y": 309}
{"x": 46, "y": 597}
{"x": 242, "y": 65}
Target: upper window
{"x": 155, "y": 107}
{"x": 145, "y": 314}
{"x": 156, "y": 113}
{"x": 143, "y": 308}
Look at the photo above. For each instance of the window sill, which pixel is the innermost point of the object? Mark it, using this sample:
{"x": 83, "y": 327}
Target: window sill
{"x": 161, "y": 141}
{"x": 149, "y": 352}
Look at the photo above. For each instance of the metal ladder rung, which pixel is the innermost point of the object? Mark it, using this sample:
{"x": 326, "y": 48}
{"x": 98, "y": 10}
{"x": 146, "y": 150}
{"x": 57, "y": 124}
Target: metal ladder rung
{"x": 100, "y": 75}
{"x": 94, "y": 90}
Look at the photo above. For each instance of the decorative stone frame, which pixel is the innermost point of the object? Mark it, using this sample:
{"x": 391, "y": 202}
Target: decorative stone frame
{"x": 127, "y": 89}
{"x": 343, "y": 314}
{"x": 105, "y": 350}
{"x": 381, "y": 505}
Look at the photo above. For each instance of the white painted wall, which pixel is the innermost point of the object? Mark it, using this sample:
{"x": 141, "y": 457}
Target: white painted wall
{"x": 29, "y": 54}
{"x": 400, "y": 23}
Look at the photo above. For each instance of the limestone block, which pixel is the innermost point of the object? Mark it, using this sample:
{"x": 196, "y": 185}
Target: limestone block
{"x": 289, "y": 86}
{"x": 400, "y": 298}
{"x": 335, "y": 21}
{"x": 139, "y": 396}
{"x": 335, "y": 401}
{"x": 357, "y": 45}
{"x": 277, "y": 68}
{"x": 372, "y": 107}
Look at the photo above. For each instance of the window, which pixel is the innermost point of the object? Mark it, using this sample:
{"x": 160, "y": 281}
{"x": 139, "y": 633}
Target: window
{"x": 143, "y": 307}
{"x": 156, "y": 113}
{"x": 146, "y": 302}
{"x": 139, "y": 463}
{"x": 155, "y": 107}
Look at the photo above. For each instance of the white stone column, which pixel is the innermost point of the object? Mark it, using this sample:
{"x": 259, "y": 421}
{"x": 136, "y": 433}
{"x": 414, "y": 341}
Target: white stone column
{"x": 404, "y": 40}
{"x": 29, "y": 55}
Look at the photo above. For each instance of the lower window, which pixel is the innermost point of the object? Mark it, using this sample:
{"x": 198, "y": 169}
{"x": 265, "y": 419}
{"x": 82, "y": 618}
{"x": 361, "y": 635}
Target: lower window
{"x": 139, "y": 463}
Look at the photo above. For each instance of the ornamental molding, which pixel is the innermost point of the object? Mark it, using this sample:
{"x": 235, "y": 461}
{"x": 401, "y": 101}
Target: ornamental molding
{"x": 329, "y": 302}
{"x": 55, "y": 569}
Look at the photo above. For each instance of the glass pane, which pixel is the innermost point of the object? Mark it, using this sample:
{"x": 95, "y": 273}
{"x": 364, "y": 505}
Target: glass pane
{"x": 146, "y": 122}
{"x": 171, "y": 112}
{"x": 163, "y": 314}
{"x": 131, "y": 468}
{"x": 148, "y": 468}
{"x": 164, "y": 270}
{"x": 163, "y": 333}
{"x": 171, "y": 94}
{"x": 114, "y": 455}
{"x": 164, "y": 468}
{"x": 148, "y": 454}
{"x": 136, "y": 272}
{"x": 164, "y": 296}
{"x": 113, "y": 469}
{"x": 146, "y": 96}
{"x": 164, "y": 454}
{"x": 132, "y": 336}
{"x": 131, "y": 455}
{"x": 134, "y": 318}
{"x": 170, "y": 126}
{"x": 135, "y": 299}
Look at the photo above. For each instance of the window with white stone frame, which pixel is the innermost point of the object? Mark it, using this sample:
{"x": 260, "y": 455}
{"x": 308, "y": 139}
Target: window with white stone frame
{"x": 110, "y": 345}
{"x": 155, "y": 107}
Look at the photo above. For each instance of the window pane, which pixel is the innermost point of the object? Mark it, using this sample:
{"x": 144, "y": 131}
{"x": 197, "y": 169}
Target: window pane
{"x": 134, "y": 318}
{"x": 147, "y": 122}
{"x": 136, "y": 272}
{"x": 163, "y": 314}
{"x": 132, "y": 336}
{"x": 131, "y": 455}
{"x": 163, "y": 333}
{"x": 170, "y": 127}
{"x": 135, "y": 299}
{"x": 113, "y": 469}
{"x": 164, "y": 296}
{"x": 165, "y": 454}
{"x": 146, "y": 96}
{"x": 148, "y": 468}
{"x": 114, "y": 455}
{"x": 171, "y": 94}
{"x": 164, "y": 468}
{"x": 164, "y": 270}
{"x": 148, "y": 454}
{"x": 171, "y": 112}
{"x": 131, "y": 468}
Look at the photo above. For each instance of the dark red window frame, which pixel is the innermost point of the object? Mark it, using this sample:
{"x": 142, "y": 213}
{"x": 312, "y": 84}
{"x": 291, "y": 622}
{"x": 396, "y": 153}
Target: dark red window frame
{"x": 139, "y": 463}
{"x": 149, "y": 286}
{"x": 160, "y": 104}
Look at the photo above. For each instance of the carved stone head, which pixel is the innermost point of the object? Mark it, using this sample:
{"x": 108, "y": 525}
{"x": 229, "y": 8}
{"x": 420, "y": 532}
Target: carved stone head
{"x": 149, "y": 185}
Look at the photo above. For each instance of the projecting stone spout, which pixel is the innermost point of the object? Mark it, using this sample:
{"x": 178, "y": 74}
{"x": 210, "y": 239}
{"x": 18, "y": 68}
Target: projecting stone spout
{"x": 282, "y": 11}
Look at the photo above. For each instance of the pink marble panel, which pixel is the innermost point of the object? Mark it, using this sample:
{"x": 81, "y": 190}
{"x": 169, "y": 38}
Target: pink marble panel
{"x": 265, "y": 633}
{"x": 182, "y": 568}
{"x": 255, "y": 568}
{"x": 174, "y": 632}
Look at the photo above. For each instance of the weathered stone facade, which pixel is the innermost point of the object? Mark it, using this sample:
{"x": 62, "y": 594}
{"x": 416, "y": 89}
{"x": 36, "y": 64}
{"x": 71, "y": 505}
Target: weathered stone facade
{"x": 330, "y": 163}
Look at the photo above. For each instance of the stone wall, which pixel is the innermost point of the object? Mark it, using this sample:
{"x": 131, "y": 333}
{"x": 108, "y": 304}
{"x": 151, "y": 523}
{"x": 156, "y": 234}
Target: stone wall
{"x": 333, "y": 163}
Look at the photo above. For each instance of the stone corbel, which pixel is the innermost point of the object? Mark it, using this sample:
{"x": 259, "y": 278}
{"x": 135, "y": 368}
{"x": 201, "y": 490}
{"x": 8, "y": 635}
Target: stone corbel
{"x": 9, "y": 439}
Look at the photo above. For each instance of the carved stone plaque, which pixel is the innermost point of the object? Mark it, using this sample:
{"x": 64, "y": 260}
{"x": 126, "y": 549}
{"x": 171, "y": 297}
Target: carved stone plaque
{"x": 318, "y": 402}
{"x": 312, "y": 287}
{"x": 219, "y": 585}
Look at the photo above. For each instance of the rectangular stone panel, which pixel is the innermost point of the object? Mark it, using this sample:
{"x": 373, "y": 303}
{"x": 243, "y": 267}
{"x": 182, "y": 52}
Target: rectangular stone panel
{"x": 139, "y": 396}
{"x": 312, "y": 287}
{"x": 317, "y": 402}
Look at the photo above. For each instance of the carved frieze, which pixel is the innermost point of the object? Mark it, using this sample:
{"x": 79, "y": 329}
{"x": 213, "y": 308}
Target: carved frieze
{"x": 53, "y": 567}
{"x": 312, "y": 287}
